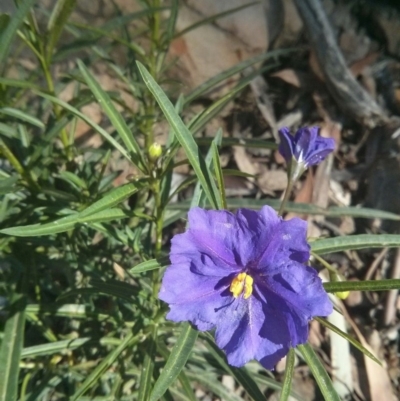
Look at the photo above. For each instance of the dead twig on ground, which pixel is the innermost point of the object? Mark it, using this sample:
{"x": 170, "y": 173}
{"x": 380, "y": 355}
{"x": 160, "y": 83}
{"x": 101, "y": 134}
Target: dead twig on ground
{"x": 344, "y": 88}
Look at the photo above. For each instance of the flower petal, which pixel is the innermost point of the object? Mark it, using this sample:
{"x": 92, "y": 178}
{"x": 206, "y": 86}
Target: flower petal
{"x": 286, "y": 145}
{"x": 323, "y": 146}
{"x": 214, "y": 234}
{"x": 300, "y": 287}
{"x": 286, "y": 241}
{"x": 193, "y": 297}
{"x": 249, "y": 330}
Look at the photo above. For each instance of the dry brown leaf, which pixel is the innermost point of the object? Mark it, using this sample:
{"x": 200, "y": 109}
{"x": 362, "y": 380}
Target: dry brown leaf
{"x": 293, "y": 77}
{"x": 378, "y": 386}
{"x": 357, "y": 67}
{"x": 243, "y": 160}
{"x": 272, "y": 180}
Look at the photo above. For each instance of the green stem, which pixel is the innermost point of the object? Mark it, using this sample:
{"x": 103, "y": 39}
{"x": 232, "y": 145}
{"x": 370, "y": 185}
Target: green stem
{"x": 159, "y": 217}
{"x": 56, "y": 108}
{"x": 286, "y": 197}
{"x": 9, "y": 155}
{"x": 324, "y": 263}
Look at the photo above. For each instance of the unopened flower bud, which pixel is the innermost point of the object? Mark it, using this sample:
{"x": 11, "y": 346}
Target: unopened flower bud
{"x": 337, "y": 277}
{"x": 155, "y": 151}
{"x": 304, "y": 149}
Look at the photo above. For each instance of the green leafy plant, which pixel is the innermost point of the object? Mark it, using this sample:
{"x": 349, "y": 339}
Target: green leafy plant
{"x": 82, "y": 255}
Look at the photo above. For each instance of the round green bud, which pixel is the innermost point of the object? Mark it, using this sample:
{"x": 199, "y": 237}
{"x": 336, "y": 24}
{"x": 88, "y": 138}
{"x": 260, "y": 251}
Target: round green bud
{"x": 155, "y": 151}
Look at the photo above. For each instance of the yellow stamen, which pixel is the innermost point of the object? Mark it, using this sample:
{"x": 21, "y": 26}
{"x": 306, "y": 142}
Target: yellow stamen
{"x": 242, "y": 283}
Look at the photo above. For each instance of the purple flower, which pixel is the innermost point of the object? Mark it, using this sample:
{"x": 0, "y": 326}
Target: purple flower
{"x": 306, "y": 146}
{"x": 244, "y": 275}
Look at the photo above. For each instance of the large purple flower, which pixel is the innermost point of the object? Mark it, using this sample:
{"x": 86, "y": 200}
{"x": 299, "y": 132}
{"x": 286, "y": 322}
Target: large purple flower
{"x": 244, "y": 275}
{"x": 306, "y": 146}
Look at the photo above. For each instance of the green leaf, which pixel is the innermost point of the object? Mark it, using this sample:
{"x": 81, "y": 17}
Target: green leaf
{"x": 349, "y": 338}
{"x": 105, "y": 364}
{"x": 17, "y": 83}
{"x": 198, "y": 194}
{"x": 300, "y": 208}
{"x": 350, "y": 242}
{"x": 245, "y": 142}
{"x": 150, "y": 265}
{"x": 236, "y": 69}
{"x": 115, "y": 288}
{"x": 99, "y": 32}
{"x": 10, "y": 351}
{"x": 53, "y": 348}
{"x": 213, "y": 18}
{"x": 177, "y": 360}
{"x": 182, "y": 376}
{"x": 8, "y": 184}
{"x": 367, "y": 285}
{"x": 288, "y": 378}
{"x": 7, "y": 35}
{"x": 212, "y": 383}
{"x": 115, "y": 117}
{"x": 321, "y": 376}
{"x": 88, "y": 121}
{"x": 112, "y": 198}
{"x": 98, "y": 212}
{"x": 73, "y": 311}
{"x": 21, "y": 115}
{"x": 72, "y": 178}
{"x": 220, "y": 179}
{"x": 64, "y": 224}
{"x": 241, "y": 375}
{"x": 184, "y": 136}
{"x": 148, "y": 367}
{"x": 59, "y": 17}
{"x": 214, "y": 109}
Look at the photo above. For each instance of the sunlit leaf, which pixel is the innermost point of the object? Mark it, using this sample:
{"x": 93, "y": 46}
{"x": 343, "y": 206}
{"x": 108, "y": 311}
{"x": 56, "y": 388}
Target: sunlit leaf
{"x": 184, "y": 136}
{"x": 350, "y": 242}
{"x": 175, "y": 363}
{"x": 319, "y": 372}
{"x": 10, "y": 351}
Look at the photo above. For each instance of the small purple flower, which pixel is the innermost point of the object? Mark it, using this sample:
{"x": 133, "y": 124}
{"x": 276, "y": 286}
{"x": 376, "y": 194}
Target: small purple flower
{"x": 306, "y": 146}
{"x": 244, "y": 275}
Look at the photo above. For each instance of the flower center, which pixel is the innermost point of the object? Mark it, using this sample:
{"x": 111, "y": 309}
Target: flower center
{"x": 242, "y": 284}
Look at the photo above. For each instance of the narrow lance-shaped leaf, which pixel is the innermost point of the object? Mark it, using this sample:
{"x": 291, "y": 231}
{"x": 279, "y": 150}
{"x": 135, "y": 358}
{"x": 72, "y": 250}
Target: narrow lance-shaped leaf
{"x": 7, "y": 35}
{"x": 288, "y": 378}
{"x": 150, "y": 265}
{"x": 213, "y": 18}
{"x": 236, "y": 69}
{"x": 64, "y": 224}
{"x": 321, "y": 376}
{"x": 350, "y": 242}
{"x": 10, "y": 351}
{"x": 219, "y": 175}
{"x": 301, "y": 208}
{"x": 198, "y": 194}
{"x": 57, "y": 21}
{"x": 100, "y": 211}
{"x": 95, "y": 375}
{"x": 240, "y": 374}
{"x": 21, "y": 115}
{"x": 115, "y": 117}
{"x": 87, "y": 120}
{"x": 349, "y": 338}
{"x": 368, "y": 285}
{"x": 184, "y": 136}
{"x": 179, "y": 355}
{"x": 148, "y": 367}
